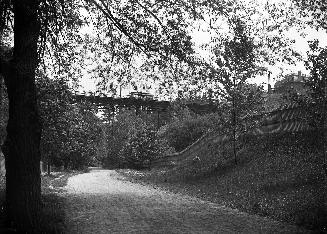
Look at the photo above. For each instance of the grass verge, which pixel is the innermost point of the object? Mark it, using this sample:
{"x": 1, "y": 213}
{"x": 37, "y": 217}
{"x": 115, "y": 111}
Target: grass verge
{"x": 279, "y": 176}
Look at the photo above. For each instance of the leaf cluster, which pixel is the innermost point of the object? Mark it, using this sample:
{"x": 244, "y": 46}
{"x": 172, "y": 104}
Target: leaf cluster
{"x": 141, "y": 148}
{"x": 132, "y": 139}
{"x": 316, "y": 10}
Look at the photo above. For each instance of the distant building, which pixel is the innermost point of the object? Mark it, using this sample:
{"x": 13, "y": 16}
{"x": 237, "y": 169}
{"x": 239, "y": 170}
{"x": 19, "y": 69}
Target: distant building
{"x": 291, "y": 83}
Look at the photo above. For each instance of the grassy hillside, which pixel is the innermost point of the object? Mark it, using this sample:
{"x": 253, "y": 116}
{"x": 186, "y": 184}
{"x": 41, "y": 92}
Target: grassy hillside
{"x": 280, "y": 176}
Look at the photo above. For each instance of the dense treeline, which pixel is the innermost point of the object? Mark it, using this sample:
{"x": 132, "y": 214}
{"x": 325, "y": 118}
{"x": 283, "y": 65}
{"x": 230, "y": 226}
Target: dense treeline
{"x": 71, "y": 131}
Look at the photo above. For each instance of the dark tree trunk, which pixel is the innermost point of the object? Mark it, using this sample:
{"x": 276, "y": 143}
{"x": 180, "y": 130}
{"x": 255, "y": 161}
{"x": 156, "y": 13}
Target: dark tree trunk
{"x": 324, "y": 127}
{"x": 22, "y": 145}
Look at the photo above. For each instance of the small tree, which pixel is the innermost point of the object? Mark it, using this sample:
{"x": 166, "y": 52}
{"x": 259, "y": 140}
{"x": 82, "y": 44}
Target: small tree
{"x": 236, "y": 60}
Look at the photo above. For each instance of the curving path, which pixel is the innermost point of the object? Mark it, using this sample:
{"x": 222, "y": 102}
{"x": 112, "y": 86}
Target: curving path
{"x": 102, "y": 202}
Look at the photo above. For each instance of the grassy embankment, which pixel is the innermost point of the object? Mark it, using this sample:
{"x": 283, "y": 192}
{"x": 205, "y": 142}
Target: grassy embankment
{"x": 52, "y": 204}
{"x": 279, "y": 176}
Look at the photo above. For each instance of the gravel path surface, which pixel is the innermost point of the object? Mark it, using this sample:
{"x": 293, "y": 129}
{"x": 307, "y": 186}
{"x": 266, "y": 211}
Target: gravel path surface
{"x": 103, "y": 202}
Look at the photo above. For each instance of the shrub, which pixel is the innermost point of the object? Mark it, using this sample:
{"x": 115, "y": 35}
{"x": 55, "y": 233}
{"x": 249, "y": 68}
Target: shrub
{"x": 142, "y": 147}
{"x": 118, "y": 133}
{"x": 182, "y": 133}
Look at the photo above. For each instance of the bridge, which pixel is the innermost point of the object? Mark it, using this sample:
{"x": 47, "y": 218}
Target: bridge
{"x": 141, "y": 101}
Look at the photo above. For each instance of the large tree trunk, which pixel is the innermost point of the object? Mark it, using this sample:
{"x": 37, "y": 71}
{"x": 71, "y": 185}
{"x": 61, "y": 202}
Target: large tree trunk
{"x": 324, "y": 124}
{"x": 21, "y": 148}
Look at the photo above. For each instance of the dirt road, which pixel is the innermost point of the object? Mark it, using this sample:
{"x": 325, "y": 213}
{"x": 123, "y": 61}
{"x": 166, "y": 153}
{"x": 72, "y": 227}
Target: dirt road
{"x": 102, "y": 202}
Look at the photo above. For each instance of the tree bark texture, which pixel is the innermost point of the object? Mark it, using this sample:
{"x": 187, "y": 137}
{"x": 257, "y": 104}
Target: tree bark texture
{"x": 324, "y": 127}
{"x": 22, "y": 145}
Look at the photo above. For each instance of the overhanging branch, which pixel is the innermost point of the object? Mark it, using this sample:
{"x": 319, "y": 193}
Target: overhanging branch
{"x": 106, "y": 11}
{"x": 150, "y": 12}
{"x": 104, "y": 8}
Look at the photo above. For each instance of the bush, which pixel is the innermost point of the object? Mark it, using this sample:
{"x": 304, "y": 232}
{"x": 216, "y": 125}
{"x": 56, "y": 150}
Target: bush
{"x": 117, "y": 136}
{"x": 182, "y": 133}
{"x": 141, "y": 148}
{"x": 132, "y": 141}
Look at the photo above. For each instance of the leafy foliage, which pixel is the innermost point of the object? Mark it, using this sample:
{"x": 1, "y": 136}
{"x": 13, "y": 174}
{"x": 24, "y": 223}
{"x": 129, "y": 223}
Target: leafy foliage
{"x": 241, "y": 100}
{"x": 131, "y": 140}
{"x": 317, "y": 82}
{"x": 181, "y": 133}
{"x": 316, "y": 10}
{"x": 236, "y": 58}
{"x": 71, "y": 133}
{"x": 314, "y": 102}
{"x": 84, "y": 136}
{"x": 118, "y": 132}
{"x": 248, "y": 107}
{"x": 141, "y": 148}
{"x": 315, "y": 98}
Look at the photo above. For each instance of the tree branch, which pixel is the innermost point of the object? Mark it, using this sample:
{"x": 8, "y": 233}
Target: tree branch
{"x": 150, "y": 12}
{"x": 106, "y": 11}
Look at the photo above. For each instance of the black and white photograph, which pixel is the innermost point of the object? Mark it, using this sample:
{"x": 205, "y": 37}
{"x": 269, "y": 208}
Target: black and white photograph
{"x": 163, "y": 116}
